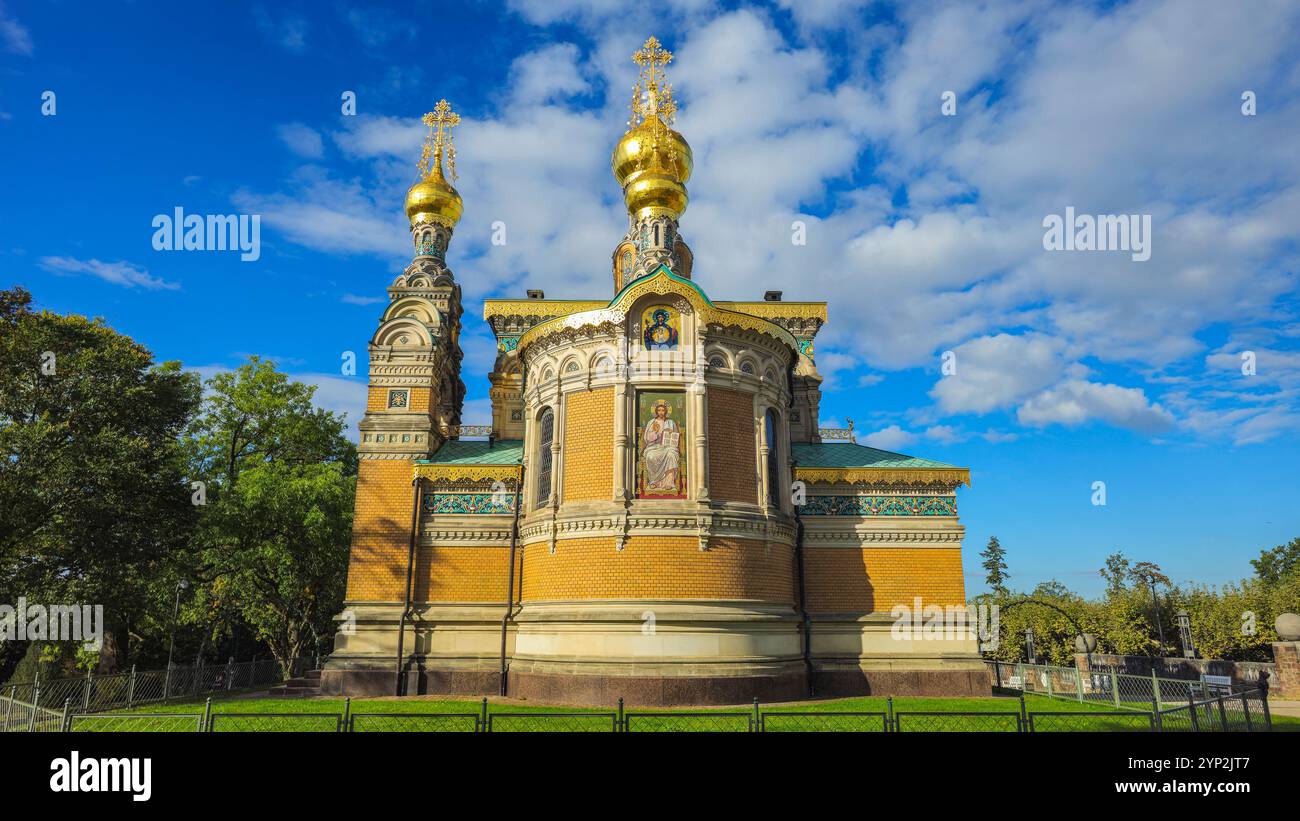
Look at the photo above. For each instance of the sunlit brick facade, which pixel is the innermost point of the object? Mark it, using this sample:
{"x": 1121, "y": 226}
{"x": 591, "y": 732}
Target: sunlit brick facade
{"x": 653, "y": 512}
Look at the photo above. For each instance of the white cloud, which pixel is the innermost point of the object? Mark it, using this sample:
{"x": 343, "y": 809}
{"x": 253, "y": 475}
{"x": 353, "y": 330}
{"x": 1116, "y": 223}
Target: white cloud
{"x": 118, "y": 273}
{"x": 331, "y": 215}
{"x": 995, "y": 372}
{"x": 945, "y": 434}
{"x": 547, "y": 74}
{"x": 889, "y": 438}
{"x": 354, "y": 299}
{"x": 1075, "y": 402}
{"x": 15, "y": 37}
{"x": 301, "y": 140}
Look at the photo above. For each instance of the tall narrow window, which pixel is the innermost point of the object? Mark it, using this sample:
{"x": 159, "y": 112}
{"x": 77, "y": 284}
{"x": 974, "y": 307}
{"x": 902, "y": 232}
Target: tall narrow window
{"x": 546, "y": 436}
{"x": 773, "y": 460}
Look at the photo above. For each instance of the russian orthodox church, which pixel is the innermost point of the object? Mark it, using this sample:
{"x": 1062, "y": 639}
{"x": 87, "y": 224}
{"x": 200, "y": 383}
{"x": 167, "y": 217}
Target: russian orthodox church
{"x": 654, "y": 512}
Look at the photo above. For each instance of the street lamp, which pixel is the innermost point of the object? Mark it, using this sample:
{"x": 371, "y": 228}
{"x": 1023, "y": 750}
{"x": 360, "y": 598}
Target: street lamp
{"x": 1185, "y": 633}
{"x": 1155, "y": 602}
{"x": 176, "y": 607}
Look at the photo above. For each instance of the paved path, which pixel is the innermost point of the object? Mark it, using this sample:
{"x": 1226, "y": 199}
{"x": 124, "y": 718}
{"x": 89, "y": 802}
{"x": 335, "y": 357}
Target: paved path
{"x": 1280, "y": 707}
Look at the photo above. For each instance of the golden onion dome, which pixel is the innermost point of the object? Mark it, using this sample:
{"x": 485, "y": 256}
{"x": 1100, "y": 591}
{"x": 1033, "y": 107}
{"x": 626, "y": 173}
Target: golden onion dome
{"x": 433, "y": 199}
{"x": 652, "y": 164}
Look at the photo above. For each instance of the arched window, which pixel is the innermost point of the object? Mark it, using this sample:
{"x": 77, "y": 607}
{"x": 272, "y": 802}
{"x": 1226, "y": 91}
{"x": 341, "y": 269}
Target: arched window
{"x": 773, "y": 460}
{"x": 546, "y": 436}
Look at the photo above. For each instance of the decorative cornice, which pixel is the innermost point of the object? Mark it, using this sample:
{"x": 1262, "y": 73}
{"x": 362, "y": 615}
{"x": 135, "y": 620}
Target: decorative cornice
{"x": 779, "y": 310}
{"x": 549, "y": 308}
{"x": 950, "y": 478}
{"x": 466, "y": 473}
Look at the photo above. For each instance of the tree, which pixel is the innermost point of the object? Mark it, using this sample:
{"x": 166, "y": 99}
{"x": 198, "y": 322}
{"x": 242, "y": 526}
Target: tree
{"x": 254, "y": 415}
{"x": 1148, "y": 574}
{"x": 93, "y": 503}
{"x": 1282, "y": 560}
{"x": 1052, "y": 589}
{"x": 995, "y": 566}
{"x": 1116, "y": 573}
{"x": 275, "y": 533}
{"x": 278, "y": 543}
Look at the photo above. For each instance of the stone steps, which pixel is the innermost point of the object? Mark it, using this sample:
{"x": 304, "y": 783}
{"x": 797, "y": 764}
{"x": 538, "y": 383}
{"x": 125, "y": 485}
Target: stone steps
{"x": 308, "y": 684}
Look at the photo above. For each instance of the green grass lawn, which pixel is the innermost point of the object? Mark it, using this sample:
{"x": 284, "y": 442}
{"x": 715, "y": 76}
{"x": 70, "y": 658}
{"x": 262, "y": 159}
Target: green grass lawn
{"x": 255, "y": 712}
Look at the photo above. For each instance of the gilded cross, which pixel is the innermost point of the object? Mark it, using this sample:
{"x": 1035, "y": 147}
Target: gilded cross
{"x": 652, "y": 58}
{"x": 440, "y": 122}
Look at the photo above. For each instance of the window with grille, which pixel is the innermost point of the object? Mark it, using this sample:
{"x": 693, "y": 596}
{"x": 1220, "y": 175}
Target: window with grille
{"x": 546, "y": 436}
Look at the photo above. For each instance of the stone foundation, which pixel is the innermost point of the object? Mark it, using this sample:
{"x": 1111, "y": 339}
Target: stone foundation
{"x": 841, "y": 683}
{"x": 636, "y": 691}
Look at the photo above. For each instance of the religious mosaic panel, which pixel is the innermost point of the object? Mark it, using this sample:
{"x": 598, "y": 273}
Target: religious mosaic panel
{"x": 661, "y": 326}
{"x": 661, "y": 445}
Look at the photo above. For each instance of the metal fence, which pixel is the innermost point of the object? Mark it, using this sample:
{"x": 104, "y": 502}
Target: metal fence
{"x": 1170, "y": 705}
{"x": 101, "y": 693}
{"x": 1238, "y": 712}
{"x": 1119, "y": 690}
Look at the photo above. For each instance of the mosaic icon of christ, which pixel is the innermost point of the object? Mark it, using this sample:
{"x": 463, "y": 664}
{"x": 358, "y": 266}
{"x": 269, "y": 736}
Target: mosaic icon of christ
{"x": 661, "y": 454}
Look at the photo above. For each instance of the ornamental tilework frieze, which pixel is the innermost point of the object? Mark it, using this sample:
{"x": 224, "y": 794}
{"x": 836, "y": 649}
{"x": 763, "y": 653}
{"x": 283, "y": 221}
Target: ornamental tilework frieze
{"x": 485, "y": 504}
{"x": 880, "y": 506}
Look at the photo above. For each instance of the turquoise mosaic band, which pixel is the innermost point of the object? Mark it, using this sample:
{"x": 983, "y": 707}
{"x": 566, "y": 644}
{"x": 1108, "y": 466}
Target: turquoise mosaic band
{"x": 481, "y": 504}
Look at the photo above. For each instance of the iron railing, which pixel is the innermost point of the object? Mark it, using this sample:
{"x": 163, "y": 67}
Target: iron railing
{"x": 100, "y": 693}
{"x": 1238, "y": 712}
{"x": 1119, "y": 690}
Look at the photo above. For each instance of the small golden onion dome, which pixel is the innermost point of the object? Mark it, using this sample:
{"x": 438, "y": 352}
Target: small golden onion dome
{"x": 433, "y": 199}
{"x": 652, "y": 163}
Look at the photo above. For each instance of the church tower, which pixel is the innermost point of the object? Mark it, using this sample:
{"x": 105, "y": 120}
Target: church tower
{"x": 415, "y": 389}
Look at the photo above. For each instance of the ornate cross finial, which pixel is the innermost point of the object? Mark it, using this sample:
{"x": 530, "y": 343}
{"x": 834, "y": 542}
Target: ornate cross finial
{"x": 653, "y": 59}
{"x": 652, "y": 96}
{"x": 438, "y": 141}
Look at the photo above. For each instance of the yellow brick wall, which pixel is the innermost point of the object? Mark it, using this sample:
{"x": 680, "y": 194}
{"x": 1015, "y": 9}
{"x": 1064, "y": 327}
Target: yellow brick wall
{"x": 589, "y": 445}
{"x": 463, "y": 574}
{"x": 658, "y": 567}
{"x": 875, "y": 579}
{"x": 377, "y": 399}
{"x": 733, "y": 455}
{"x": 381, "y": 531}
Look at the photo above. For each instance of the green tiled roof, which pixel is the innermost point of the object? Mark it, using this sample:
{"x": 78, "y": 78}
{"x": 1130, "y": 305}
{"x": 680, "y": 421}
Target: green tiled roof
{"x": 477, "y": 452}
{"x": 850, "y": 455}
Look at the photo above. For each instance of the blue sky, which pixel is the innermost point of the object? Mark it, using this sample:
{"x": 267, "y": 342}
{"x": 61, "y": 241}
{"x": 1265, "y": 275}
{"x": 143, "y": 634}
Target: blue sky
{"x": 924, "y": 231}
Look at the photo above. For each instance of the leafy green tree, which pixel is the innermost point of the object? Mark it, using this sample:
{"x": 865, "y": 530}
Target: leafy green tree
{"x": 93, "y": 502}
{"x": 255, "y": 415}
{"x": 1116, "y": 573}
{"x": 995, "y": 566}
{"x": 274, "y": 534}
{"x": 277, "y": 544}
{"x": 1280, "y": 561}
{"x": 1052, "y": 589}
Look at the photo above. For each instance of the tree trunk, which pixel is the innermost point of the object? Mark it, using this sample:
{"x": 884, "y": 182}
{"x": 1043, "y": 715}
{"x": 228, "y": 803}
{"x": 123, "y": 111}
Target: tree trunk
{"x": 11, "y": 654}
